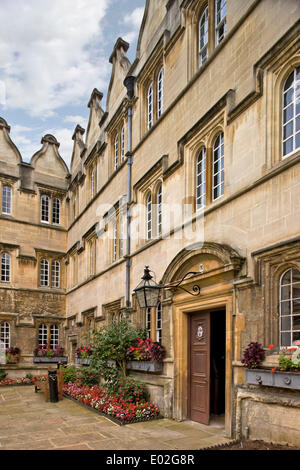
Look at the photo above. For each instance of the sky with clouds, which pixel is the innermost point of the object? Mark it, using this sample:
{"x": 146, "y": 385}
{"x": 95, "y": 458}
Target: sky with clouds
{"x": 53, "y": 53}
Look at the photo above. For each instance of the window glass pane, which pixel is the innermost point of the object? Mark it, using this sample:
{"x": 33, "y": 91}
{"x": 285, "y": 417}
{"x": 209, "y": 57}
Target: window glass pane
{"x": 296, "y": 337}
{"x": 286, "y": 308}
{"x": 286, "y": 323}
{"x": 298, "y": 140}
{"x": 288, "y": 113}
{"x": 288, "y": 97}
{"x": 296, "y": 290}
{"x": 296, "y": 306}
{"x": 289, "y": 81}
{"x": 288, "y": 146}
{"x": 285, "y": 339}
{"x": 286, "y": 279}
{"x": 288, "y": 130}
{"x": 296, "y": 275}
{"x": 296, "y": 323}
{"x": 285, "y": 293}
{"x": 298, "y": 124}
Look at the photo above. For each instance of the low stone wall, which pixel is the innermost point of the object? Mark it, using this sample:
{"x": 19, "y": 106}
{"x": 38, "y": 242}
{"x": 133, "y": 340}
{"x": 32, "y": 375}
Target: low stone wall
{"x": 271, "y": 414}
{"x": 19, "y": 371}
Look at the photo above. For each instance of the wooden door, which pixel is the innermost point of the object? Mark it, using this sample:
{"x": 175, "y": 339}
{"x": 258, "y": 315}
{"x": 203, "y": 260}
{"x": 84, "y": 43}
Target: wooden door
{"x": 199, "y": 372}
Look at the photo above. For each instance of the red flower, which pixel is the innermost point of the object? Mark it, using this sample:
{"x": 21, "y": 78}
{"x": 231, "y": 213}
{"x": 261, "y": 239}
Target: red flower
{"x": 271, "y": 346}
{"x": 274, "y": 369}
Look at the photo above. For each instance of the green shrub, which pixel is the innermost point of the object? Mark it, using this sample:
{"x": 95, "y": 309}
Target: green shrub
{"x": 70, "y": 374}
{"x": 3, "y": 374}
{"x": 132, "y": 390}
{"x": 88, "y": 376}
{"x": 28, "y": 376}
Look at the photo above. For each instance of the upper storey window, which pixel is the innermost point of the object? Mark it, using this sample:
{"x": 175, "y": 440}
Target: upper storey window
{"x": 160, "y": 93}
{"x": 5, "y": 267}
{"x": 116, "y": 152}
{"x": 45, "y": 208}
{"x": 203, "y": 37}
{"x": 201, "y": 179}
{"x": 6, "y": 200}
{"x": 150, "y": 106}
{"x": 56, "y": 211}
{"x": 122, "y": 144}
{"x": 220, "y": 15}
{"x": 218, "y": 167}
{"x": 291, "y": 113}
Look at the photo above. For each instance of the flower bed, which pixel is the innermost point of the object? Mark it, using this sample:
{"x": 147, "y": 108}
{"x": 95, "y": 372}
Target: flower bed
{"x": 23, "y": 381}
{"x": 113, "y": 407}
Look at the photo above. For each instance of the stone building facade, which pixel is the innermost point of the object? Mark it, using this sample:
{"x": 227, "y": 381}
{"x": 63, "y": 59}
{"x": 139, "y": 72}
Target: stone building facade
{"x": 193, "y": 166}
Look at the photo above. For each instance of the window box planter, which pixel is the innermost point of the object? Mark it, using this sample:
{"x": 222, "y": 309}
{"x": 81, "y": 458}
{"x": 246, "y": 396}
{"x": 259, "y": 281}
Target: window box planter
{"x": 50, "y": 360}
{"x": 12, "y": 359}
{"x": 145, "y": 366}
{"x": 282, "y": 379}
{"x": 83, "y": 361}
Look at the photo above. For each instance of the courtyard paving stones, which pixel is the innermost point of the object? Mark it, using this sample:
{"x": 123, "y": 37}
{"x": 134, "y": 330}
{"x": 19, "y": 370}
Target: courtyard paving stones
{"x": 27, "y": 422}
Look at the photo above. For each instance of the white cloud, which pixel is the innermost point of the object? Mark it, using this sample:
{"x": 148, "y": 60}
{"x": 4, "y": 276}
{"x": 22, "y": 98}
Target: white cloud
{"x": 82, "y": 121}
{"x": 50, "y": 53}
{"x": 25, "y": 140}
{"x": 133, "y": 20}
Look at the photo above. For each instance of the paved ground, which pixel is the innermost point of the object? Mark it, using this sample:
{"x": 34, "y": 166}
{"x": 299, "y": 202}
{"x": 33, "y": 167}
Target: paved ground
{"x": 28, "y": 422}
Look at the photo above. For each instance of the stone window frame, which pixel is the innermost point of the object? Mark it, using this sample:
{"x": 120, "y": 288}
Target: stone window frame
{"x": 50, "y": 259}
{"x": 294, "y": 119}
{"x": 116, "y": 138}
{"x": 113, "y": 310}
{"x": 205, "y": 139}
{"x": 5, "y": 266}
{"x": 117, "y": 231}
{"x": 3, "y": 333}
{"x": 3, "y": 187}
{"x": 151, "y": 79}
{"x": 220, "y": 5}
{"x": 290, "y": 300}
{"x": 53, "y": 212}
{"x": 47, "y": 326}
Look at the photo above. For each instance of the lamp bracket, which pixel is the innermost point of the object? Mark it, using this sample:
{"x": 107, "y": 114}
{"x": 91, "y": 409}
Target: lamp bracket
{"x": 196, "y": 288}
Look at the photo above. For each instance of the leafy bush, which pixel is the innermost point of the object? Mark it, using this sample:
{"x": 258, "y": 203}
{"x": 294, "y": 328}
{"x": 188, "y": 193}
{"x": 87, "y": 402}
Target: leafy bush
{"x": 13, "y": 351}
{"x": 69, "y": 374}
{"x": 131, "y": 390}
{"x": 111, "y": 344}
{"x": 3, "y": 374}
{"x": 88, "y": 376}
{"x": 253, "y": 355}
{"x": 29, "y": 376}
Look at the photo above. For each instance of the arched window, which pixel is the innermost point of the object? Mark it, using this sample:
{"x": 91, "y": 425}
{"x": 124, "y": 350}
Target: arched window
{"x": 5, "y": 267}
{"x": 149, "y": 217}
{"x": 5, "y": 335}
{"x": 43, "y": 335}
{"x": 6, "y": 200}
{"x": 56, "y": 211}
{"x": 203, "y": 37}
{"x": 160, "y": 93}
{"x": 218, "y": 167}
{"x": 158, "y": 322}
{"x": 201, "y": 179}
{"x": 150, "y": 106}
{"x": 159, "y": 209}
{"x": 148, "y": 321}
{"x": 54, "y": 336}
{"x": 121, "y": 235}
{"x": 45, "y": 205}
{"x": 116, "y": 151}
{"x": 44, "y": 273}
{"x": 55, "y": 274}
{"x": 291, "y": 113}
{"x": 289, "y": 308}
{"x": 122, "y": 144}
{"x": 220, "y": 12}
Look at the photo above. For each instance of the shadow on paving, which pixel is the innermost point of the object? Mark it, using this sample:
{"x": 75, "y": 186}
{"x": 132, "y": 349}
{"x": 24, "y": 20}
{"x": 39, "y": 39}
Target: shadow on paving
{"x": 27, "y": 422}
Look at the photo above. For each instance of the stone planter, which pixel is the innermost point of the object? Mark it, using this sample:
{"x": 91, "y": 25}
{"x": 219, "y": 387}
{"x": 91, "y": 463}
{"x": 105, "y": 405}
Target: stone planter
{"x": 280, "y": 379}
{"x": 50, "y": 360}
{"x": 145, "y": 366}
{"x": 83, "y": 361}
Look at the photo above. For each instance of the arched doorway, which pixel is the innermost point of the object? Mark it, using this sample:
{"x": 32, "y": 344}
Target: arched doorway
{"x": 203, "y": 331}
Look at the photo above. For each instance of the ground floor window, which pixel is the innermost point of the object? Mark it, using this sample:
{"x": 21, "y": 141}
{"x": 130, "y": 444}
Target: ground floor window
{"x": 289, "y": 308}
{"x": 5, "y": 334}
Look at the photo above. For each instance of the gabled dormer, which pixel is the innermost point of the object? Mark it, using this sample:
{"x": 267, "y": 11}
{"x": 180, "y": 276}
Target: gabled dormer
{"x": 120, "y": 68}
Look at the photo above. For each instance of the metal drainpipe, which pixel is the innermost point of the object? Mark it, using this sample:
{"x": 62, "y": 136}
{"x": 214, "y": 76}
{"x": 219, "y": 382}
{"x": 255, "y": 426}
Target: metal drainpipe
{"x": 128, "y": 215}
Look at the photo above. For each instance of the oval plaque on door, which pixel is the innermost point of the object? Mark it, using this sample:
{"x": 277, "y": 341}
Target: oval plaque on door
{"x": 200, "y": 332}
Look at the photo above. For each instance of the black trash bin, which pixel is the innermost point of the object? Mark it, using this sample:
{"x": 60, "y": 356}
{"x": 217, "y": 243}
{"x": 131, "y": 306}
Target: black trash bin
{"x": 52, "y": 375}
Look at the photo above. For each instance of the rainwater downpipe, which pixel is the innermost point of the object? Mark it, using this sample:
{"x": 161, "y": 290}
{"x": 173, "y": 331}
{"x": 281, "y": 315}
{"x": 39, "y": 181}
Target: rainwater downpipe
{"x": 128, "y": 215}
{"x": 129, "y": 84}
